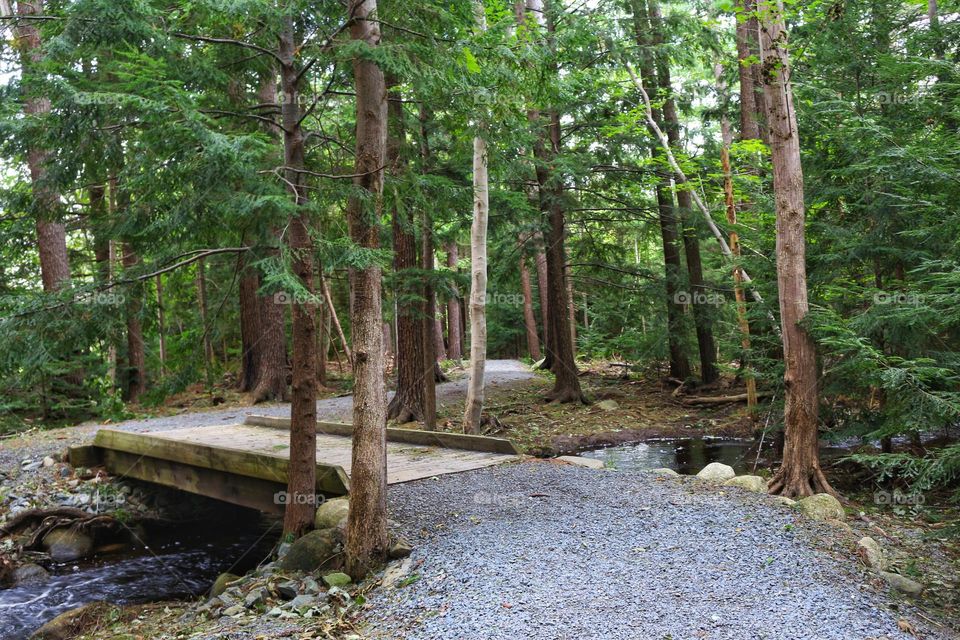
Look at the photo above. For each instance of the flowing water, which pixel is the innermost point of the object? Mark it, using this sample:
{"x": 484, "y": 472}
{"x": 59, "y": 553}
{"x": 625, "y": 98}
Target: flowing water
{"x": 175, "y": 564}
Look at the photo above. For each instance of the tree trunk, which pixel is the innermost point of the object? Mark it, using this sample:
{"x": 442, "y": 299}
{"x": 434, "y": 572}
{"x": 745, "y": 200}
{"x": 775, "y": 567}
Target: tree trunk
{"x": 250, "y": 329}
{"x": 335, "y": 318}
{"x": 529, "y": 320}
{"x": 366, "y": 544}
{"x": 679, "y": 365}
{"x": 136, "y": 360}
{"x": 543, "y": 285}
{"x": 407, "y": 403}
{"x": 559, "y": 344}
{"x": 800, "y": 474}
{"x": 454, "y": 337}
{"x": 161, "y": 326}
{"x": 51, "y": 234}
{"x": 748, "y": 58}
{"x": 478, "y": 288}
{"x": 571, "y": 299}
{"x": 301, "y": 476}
{"x": 202, "y": 305}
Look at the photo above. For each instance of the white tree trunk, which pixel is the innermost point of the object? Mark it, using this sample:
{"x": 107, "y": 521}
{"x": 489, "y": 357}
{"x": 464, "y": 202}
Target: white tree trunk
{"x": 478, "y": 287}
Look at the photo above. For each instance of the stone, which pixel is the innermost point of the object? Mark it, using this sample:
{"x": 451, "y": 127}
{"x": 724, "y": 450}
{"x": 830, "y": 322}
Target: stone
{"x": 400, "y": 549}
{"x": 311, "y": 551}
{"x": 64, "y": 626}
{"x": 234, "y": 611}
{"x": 663, "y": 471}
{"x": 608, "y": 405}
{"x": 220, "y": 584}
{"x": 288, "y": 590}
{"x": 337, "y": 579}
{"x": 29, "y": 573}
{"x": 310, "y": 585}
{"x": 330, "y": 513}
{"x": 301, "y": 603}
{"x": 395, "y": 572}
{"x": 901, "y": 583}
{"x": 750, "y": 483}
{"x": 784, "y": 501}
{"x": 275, "y": 612}
{"x": 821, "y": 506}
{"x": 66, "y": 545}
{"x": 717, "y": 472}
{"x": 255, "y": 598}
{"x": 871, "y": 553}
{"x": 590, "y": 463}
{"x": 48, "y": 461}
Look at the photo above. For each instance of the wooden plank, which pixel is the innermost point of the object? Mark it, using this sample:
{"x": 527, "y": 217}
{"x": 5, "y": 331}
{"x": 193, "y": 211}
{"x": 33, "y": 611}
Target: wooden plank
{"x": 408, "y": 436}
{"x": 85, "y": 455}
{"x": 254, "y": 493}
{"x": 331, "y": 480}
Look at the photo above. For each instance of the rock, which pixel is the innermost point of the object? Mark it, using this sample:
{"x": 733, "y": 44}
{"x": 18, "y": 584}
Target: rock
{"x": 235, "y": 610}
{"x": 67, "y": 625}
{"x": 872, "y": 553}
{"x": 65, "y": 545}
{"x": 400, "y": 549}
{"x": 301, "y": 603}
{"x": 394, "y": 573}
{"x": 220, "y": 584}
{"x": 608, "y": 405}
{"x": 65, "y": 472}
{"x": 48, "y": 461}
{"x": 310, "y": 585}
{"x": 288, "y": 590}
{"x": 330, "y": 513}
{"x": 590, "y": 463}
{"x": 255, "y": 598}
{"x": 29, "y": 574}
{"x": 716, "y": 472}
{"x": 750, "y": 483}
{"x": 785, "y": 501}
{"x": 275, "y": 612}
{"x": 663, "y": 471}
{"x": 902, "y": 583}
{"x": 821, "y": 506}
{"x": 337, "y": 579}
{"x": 311, "y": 552}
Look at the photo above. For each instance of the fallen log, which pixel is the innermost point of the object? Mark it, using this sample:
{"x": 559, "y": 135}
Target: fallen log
{"x": 712, "y": 400}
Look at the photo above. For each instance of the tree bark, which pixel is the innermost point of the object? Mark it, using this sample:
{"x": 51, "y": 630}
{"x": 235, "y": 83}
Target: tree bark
{"x": 301, "y": 477}
{"x": 559, "y": 345}
{"x": 335, "y": 318}
{"x": 161, "y": 326}
{"x": 478, "y": 288}
{"x": 748, "y": 67}
{"x": 366, "y": 544}
{"x": 691, "y": 244}
{"x": 454, "y": 337}
{"x": 51, "y": 233}
{"x": 529, "y": 320}
{"x": 202, "y": 305}
{"x": 407, "y": 403}
{"x": 249, "y": 326}
{"x": 136, "y": 360}
{"x": 800, "y": 474}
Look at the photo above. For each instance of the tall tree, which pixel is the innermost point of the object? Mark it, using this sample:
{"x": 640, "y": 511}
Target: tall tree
{"x": 301, "y": 481}
{"x": 367, "y": 520}
{"x": 752, "y": 105}
{"x": 800, "y": 473}
{"x": 454, "y": 335}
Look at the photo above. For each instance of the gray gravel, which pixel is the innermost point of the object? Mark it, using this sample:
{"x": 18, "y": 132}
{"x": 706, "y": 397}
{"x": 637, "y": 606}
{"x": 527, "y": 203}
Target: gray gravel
{"x": 541, "y": 550}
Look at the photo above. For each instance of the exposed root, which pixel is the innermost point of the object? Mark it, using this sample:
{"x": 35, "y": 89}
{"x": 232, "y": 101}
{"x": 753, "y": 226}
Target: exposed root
{"x": 800, "y": 484}
{"x": 564, "y": 396}
{"x": 402, "y": 411}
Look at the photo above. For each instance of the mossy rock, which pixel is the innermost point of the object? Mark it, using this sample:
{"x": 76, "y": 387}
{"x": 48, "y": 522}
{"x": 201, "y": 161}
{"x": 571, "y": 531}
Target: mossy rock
{"x": 311, "y": 552}
{"x": 821, "y": 506}
{"x": 750, "y": 483}
{"x": 220, "y": 584}
{"x": 330, "y": 513}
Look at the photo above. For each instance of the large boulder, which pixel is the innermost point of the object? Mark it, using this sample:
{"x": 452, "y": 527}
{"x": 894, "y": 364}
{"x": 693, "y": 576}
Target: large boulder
{"x": 821, "y": 506}
{"x": 72, "y": 623}
{"x": 316, "y": 549}
{"x": 330, "y": 513}
{"x": 750, "y": 483}
{"x": 872, "y": 553}
{"x": 337, "y": 579}
{"x": 717, "y": 472}
{"x": 66, "y": 545}
{"x": 29, "y": 573}
{"x": 901, "y": 583}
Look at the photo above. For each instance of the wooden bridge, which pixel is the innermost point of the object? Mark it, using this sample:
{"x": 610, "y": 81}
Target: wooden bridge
{"x": 246, "y": 464}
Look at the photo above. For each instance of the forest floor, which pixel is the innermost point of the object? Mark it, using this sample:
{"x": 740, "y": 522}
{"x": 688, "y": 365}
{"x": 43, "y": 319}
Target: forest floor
{"x": 444, "y": 515}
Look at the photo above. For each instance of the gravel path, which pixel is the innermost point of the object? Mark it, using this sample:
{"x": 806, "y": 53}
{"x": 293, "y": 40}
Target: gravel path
{"x": 542, "y": 550}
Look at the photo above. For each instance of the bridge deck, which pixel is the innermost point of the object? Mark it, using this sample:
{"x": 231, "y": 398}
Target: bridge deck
{"x": 247, "y": 463}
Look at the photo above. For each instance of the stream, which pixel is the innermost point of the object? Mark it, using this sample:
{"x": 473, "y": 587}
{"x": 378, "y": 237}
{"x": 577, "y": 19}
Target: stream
{"x": 175, "y": 564}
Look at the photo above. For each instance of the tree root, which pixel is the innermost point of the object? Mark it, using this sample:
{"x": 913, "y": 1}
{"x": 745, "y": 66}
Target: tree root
{"x": 800, "y": 485}
{"x": 564, "y": 396}
{"x": 402, "y": 412}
